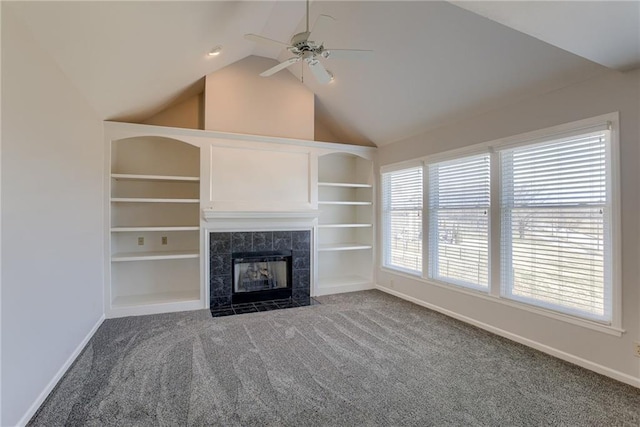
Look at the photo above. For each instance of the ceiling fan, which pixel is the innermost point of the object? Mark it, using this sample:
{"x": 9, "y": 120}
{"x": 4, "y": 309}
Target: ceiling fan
{"x": 307, "y": 47}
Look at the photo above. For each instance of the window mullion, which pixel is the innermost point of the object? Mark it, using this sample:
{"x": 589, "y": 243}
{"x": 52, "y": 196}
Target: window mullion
{"x": 426, "y": 217}
{"x": 495, "y": 225}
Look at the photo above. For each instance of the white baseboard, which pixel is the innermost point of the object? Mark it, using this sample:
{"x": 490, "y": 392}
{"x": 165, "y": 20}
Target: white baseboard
{"x": 343, "y": 289}
{"x": 58, "y": 376}
{"x": 576, "y": 360}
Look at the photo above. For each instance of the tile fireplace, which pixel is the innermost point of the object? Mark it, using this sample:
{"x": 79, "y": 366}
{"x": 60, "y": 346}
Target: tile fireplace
{"x": 253, "y": 266}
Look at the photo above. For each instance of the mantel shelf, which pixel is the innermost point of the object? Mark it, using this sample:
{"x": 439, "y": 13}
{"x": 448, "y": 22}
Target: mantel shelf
{"x": 137, "y": 177}
{"x": 210, "y": 214}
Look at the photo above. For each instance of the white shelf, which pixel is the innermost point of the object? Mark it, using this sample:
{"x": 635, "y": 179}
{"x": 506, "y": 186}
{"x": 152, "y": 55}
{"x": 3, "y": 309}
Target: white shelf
{"x": 330, "y": 282}
{"x": 150, "y": 256}
{"x": 159, "y": 228}
{"x": 343, "y": 247}
{"x": 136, "y": 177}
{"x": 345, "y": 203}
{"x": 344, "y": 225}
{"x": 156, "y": 298}
{"x": 343, "y": 184}
{"x": 151, "y": 200}
{"x": 153, "y": 196}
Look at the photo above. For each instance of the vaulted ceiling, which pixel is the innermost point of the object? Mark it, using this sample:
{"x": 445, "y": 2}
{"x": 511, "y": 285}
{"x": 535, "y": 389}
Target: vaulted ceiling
{"x": 434, "y": 62}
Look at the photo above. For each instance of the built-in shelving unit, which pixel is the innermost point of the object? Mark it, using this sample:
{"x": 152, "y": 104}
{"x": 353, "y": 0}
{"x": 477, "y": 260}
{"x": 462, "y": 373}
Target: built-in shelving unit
{"x": 154, "y": 238}
{"x": 345, "y": 229}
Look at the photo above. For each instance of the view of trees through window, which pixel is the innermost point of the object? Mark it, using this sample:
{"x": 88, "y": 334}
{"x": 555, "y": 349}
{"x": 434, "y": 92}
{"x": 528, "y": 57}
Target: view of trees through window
{"x": 459, "y": 203}
{"x": 554, "y": 198}
{"x": 402, "y": 218}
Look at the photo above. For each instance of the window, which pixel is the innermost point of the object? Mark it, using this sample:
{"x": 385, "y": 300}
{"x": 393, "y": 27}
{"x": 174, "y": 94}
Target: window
{"x": 402, "y": 219}
{"x": 556, "y": 210}
{"x": 459, "y": 203}
{"x": 531, "y": 219}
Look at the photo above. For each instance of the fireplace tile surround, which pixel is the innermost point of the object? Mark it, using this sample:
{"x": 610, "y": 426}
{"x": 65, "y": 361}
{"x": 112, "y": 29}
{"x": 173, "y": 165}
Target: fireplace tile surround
{"x": 223, "y": 244}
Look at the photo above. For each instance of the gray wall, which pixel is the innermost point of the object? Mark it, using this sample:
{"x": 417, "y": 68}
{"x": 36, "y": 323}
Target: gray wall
{"x": 608, "y": 92}
{"x": 52, "y": 230}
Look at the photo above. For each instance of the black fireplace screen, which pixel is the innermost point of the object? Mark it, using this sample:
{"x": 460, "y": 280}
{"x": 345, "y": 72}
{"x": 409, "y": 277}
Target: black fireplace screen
{"x": 254, "y": 273}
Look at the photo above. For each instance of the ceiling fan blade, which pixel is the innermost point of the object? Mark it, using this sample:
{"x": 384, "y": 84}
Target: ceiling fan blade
{"x": 346, "y": 54}
{"x": 263, "y": 40}
{"x": 281, "y": 66}
{"x": 319, "y": 71}
{"x": 321, "y": 28}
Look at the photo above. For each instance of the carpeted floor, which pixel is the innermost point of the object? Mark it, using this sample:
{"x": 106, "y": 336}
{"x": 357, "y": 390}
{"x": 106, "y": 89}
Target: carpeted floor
{"x": 359, "y": 359}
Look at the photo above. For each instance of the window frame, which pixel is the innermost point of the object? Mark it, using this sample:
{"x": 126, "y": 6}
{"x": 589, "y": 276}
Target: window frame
{"x": 431, "y": 261}
{"x": 384, "y": 255}
{"x": 566, "y": 130}
{"x": 506, "y": 290}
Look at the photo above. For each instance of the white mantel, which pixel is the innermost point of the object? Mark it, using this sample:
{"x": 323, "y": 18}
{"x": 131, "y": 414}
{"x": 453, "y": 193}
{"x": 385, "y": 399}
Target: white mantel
{"x": 215, "y": 220}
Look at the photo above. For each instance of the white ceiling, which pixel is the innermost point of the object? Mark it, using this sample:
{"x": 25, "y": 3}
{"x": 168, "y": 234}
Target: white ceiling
{"x": 434, "y": 62}
{"x": 606, "y": 32}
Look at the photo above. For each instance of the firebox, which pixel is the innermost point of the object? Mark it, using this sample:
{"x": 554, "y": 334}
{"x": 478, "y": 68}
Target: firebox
{"x": 261, "y": 276}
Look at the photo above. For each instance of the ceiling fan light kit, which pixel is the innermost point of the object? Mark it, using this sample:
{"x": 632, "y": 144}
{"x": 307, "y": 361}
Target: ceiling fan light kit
{"x": 215, "y": 51}
{"x": 306, "y": 47}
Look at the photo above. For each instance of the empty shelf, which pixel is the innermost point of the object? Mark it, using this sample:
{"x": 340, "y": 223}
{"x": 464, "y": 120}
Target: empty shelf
{"x": 343, "y": 247}
{"x": 150, "y": 256}
{"x": 152, "y": 228}
{"x": 344, "y": 225}
{"x": 136, "y": 177}
{"x": 344, "y": 184}
{"x": 330, "y": 282}
{"x": 350, "y": 202}
{"x": 156, "y": 298}
{"x": 150, "y": 200}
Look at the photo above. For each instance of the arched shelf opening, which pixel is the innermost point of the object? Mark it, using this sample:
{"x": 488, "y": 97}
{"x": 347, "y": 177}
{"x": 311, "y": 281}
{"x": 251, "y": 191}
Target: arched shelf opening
{"x": 155, "y": 156}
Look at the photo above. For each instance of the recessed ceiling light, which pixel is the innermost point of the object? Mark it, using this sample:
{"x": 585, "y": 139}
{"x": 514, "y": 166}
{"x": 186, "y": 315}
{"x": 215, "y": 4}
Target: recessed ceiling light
{"x": 215, "y": 51}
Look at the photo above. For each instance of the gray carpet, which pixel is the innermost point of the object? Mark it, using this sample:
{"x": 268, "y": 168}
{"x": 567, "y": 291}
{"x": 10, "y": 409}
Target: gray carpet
{"x": 359, "y": 359}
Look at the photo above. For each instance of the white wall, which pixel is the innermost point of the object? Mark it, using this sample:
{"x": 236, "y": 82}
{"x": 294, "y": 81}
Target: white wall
{"x": 238, "y": 100}
{"x": 52, "y": 231}
{"x": 609, "y": 92}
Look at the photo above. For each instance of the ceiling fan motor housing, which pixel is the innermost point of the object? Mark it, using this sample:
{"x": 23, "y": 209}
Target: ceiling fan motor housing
{"x": 301, "y": 44}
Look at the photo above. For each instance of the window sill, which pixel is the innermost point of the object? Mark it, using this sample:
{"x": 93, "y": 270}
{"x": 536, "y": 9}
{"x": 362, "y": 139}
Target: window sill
{"x": 599, "y": 327}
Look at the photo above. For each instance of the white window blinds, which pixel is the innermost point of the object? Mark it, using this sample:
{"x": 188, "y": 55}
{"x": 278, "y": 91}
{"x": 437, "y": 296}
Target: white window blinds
{"x": 459, "y": 203}
{"x": 402, "y": 219}
{"x": 556, "y": 209}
